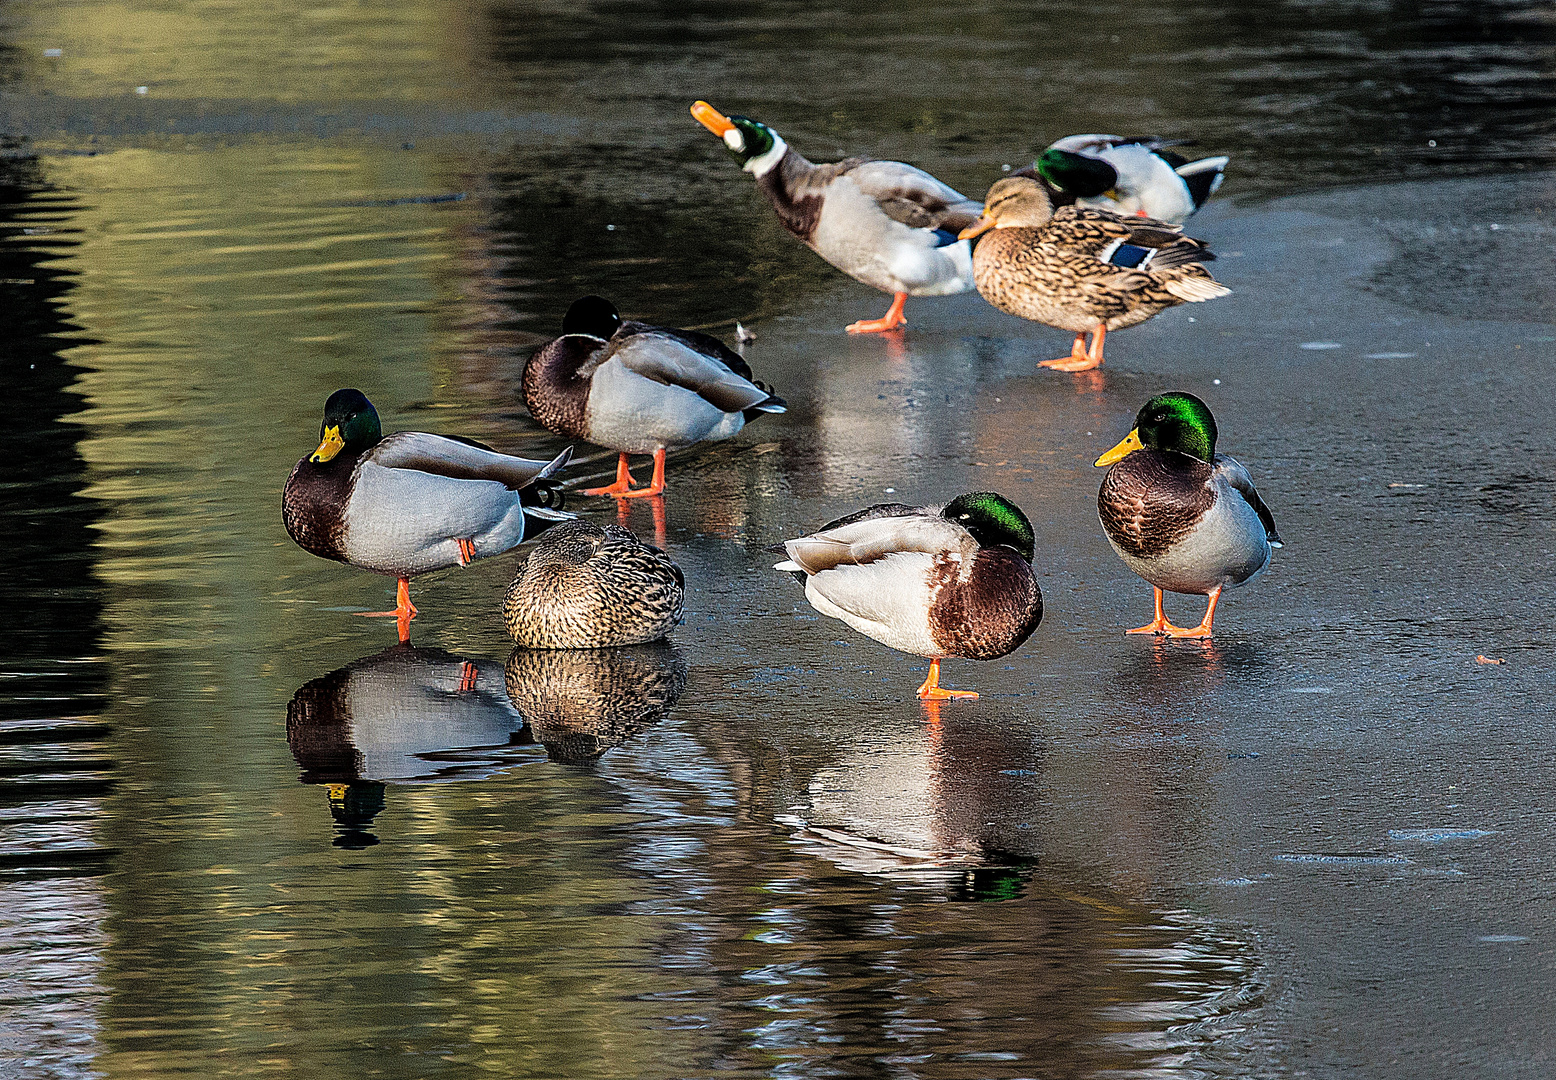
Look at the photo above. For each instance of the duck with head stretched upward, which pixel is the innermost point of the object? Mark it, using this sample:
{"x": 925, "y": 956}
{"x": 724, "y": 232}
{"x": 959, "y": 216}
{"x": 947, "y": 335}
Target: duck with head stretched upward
{"x": 886, "y": 224}
{"x": 409, "y": 503}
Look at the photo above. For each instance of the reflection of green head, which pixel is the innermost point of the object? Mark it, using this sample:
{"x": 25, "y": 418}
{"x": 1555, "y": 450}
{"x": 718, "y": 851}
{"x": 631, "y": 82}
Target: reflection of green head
{"x": 993, "y": 884}
{"x": 1079, "y": 175}
{"x": 1180, "y": 422}
{"x": 993, "y": 521}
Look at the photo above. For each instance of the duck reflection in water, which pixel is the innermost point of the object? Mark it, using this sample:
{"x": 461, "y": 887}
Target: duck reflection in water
{"x": 581, "y": 702}
{"x": 405, "y": 714}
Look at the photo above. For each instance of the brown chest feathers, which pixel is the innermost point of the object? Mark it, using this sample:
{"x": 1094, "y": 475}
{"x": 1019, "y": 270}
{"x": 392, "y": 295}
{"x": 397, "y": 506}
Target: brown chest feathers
{"x": 796, "y": 188}
{"x": 989, "y": 614}
{"x": 313, "y": 505}
{"x": 1151, "y": 500}
{"x": 556, "y": 384}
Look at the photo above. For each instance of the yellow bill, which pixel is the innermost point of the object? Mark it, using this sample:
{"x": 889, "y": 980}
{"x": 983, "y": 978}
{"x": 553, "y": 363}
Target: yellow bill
{"x": 329, "y": 446}
{"x": 1127, "y": 446}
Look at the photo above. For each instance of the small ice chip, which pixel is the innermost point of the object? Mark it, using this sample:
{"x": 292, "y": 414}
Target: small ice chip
{"x": 610, "y": 228}
{"x": 52, "y": 53}
{"x": 143, "y": 90}
{"x": 1390, "y": 356}
{"x": 891, "y": 491}
{"x": 1215, "y": 382}
{"x": 1321, "y": 345}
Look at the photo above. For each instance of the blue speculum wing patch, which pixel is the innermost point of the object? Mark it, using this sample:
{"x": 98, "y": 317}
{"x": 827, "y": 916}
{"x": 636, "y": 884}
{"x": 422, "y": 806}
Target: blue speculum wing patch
{"x": 1131, "y": 257}
{"x": 944, "y": 238}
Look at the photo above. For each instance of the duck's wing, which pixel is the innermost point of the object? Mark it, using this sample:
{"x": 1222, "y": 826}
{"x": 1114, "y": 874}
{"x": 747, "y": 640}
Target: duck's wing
{"x": 674, "y": 358}
{"x": 1231, "y": 471}
{"x": 889, "y": 529}
{"x": 913, "y": 197}
{"x": 461, "y": 459}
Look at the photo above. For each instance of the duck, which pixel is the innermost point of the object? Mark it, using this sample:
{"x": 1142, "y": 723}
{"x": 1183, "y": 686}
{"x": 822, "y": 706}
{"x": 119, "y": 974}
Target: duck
{"x": 589, "y": 586}
{"x": 1183, "y": 517}
{"x": 1139, "y": 176}
{"x": 411, "y": 502}
{"x": 1080, "y": 269}
{"x": 639, "y": 389}
{"x": 883, "y": 223}
{"x": 930, "y": 581}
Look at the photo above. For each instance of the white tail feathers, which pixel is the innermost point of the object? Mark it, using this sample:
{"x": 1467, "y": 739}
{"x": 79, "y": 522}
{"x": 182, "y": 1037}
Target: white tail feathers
{"x": 1196, "y": 289}
{"x": 1203, "y": 165}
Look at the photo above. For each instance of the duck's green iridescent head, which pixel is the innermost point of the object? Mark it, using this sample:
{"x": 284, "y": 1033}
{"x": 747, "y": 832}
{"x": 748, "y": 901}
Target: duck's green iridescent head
{"x": 1079, "y": 175}
{"x": 749, "y": 142}
{"x": 592, "y": 315}
{"x": 994, "y": 521}
{"x": 350, "y": 423}
{"x": 1177, "y": 421}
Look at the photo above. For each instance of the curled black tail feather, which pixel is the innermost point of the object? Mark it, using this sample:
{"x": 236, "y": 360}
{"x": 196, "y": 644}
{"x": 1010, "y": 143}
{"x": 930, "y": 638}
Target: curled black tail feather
{"x": 547, "y": 493}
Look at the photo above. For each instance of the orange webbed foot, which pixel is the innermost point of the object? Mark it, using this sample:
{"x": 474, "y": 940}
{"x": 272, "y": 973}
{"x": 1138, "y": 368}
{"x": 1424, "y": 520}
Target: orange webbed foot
{"x": 890, "y": 321}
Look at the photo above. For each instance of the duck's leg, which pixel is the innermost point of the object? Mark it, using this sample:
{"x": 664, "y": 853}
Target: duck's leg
{"x": 1203, "y": 629}
{"x": 890, "y": 321}
{"x": 404, "y": 611}
{"x": 933, "y": 691}
{"x": 1081, "y": 358}
{"x": 1160, "y": 625}
{"x": 656, "y": 486}
{"x": 623, "y": 482}
{"x": 466, "y": 550}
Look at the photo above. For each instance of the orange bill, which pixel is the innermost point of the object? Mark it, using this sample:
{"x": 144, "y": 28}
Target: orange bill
{"x": 977, "y": 228}
{"x": 1127, "y": 446}
{"x": 712, "y": 119}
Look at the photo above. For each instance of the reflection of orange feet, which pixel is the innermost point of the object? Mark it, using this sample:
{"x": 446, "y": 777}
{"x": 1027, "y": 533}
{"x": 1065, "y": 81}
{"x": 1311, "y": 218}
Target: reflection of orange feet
{"x": 466, "y": 550}
{"x": 933, "y": 691}
{"x": 468, "y": 676}
{"x": 890, "y": 321}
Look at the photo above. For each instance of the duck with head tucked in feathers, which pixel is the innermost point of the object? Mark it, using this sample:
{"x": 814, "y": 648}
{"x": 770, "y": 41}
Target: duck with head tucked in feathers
{"x": 1080, "y": 269}
{"x": 1139, "y": 176}
{"x": 411, "y": 502}
{"x": 1180, "y": 515}
{"x": 588, "y": 586}
{"x": 886, "y": 224}
{"x": 926, "y": 580}
{"x": 639, "y": 389}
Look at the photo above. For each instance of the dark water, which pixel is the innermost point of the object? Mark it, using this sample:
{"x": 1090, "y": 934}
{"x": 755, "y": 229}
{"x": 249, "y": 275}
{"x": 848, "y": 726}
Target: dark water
{"x": 243, "y": 835}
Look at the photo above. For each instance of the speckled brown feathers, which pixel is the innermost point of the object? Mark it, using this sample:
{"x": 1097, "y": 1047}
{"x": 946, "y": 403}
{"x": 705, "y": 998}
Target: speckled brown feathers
{"x": 587, "y": 586}
{"x": 581, "y": 702}
{"x": 1152, "y": 499}
{"x": 313, "y": 505}
{"x": 989, "y": 612}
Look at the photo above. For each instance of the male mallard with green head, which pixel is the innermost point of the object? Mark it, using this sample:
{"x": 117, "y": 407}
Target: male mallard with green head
{"x": 1080, "y": 269}
{"x": 588, "y": 586}
{"x": 1138, "y": 176}
{"x": 928, "y": 581}
{"x": 886, "y": 224}
{"x": 1180, "y": 515}
{"x": 411, "y": 502}
{"x": 639, "y": 389}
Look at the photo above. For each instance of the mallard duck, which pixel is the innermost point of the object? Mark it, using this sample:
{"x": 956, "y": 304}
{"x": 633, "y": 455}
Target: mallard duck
{"x": 1131, "y": 176}
{"x": 411, "y": 502}
{"x": 639, "y": 389}
{"x": 1080, "y": 269}
{"x": 883, "y": 223}
{"x": 588, "y": 586}
{"x": 1180, "y": 515}
{"x": 924, "y": 580}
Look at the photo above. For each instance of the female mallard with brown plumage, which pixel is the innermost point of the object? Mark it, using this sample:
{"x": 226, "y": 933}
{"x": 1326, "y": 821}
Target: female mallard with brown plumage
{"x": 928, "y": 581}
{"x": 411, "y": 502}
{"x": 639, "y": 389}
{"x": 883, "y": 223}
{"x": 588, "y": 586}
{"x": 1079, "y": 269}
{"x": 1180, "y": 515}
